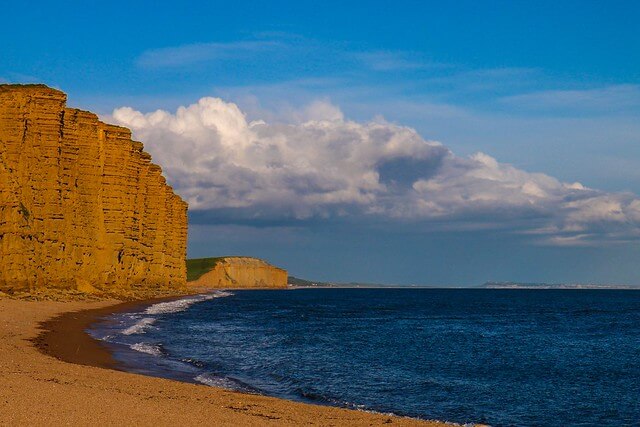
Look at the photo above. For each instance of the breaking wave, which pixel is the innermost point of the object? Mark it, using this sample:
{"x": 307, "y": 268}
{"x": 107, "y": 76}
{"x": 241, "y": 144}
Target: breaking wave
{"x": 214, "y": 381}
{"x": 183, "y": 304}
{"x": 140, "y": 327}
{"x": 152, "y": 349}
{"x": 143, "y": 321}
{"x": 122, "y": 329}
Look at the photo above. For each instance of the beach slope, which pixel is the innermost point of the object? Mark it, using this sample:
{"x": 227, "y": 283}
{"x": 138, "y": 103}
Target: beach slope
{"x": 38, "y": 389}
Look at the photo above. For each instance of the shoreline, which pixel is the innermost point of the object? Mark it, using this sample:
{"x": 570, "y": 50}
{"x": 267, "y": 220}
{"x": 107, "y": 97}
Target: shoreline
{"x": 65, "y": 336}
{"x": 51, "y": 369}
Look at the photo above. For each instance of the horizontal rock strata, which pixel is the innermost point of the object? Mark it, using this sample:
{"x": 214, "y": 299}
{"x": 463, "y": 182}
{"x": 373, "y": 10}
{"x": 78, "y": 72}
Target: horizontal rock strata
{"x": 81, "y": 204}
{"x": 243, "y": 272}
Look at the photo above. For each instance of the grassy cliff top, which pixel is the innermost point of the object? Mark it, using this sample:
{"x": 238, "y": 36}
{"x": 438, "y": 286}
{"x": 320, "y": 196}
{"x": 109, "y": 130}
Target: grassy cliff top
{"x": 196, "y": 267}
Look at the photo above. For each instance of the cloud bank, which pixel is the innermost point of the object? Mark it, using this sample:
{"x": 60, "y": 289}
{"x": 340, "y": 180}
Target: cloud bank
{"x": 319, "y": 165}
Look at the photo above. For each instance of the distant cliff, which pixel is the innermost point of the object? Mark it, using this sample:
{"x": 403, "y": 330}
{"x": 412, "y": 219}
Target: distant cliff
{"x": 81, "y": 204}
{"x": 235, "y": 272}
{"x": 519, "y": 285}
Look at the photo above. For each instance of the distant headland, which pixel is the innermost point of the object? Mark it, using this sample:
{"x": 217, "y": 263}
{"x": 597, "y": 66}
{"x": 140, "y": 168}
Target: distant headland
{"x": 519, "y": 285}
{"x": 235, "y": 272}
{"x": 303, "y": 283}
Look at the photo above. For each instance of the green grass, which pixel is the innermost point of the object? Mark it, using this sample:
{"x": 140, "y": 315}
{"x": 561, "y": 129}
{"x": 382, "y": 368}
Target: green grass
{"x": 198, "y": 266}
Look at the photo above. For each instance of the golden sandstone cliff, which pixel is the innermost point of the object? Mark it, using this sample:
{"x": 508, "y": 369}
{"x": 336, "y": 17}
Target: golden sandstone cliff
{"x": 81, "y": 204}
{"x": 238, "y": 272}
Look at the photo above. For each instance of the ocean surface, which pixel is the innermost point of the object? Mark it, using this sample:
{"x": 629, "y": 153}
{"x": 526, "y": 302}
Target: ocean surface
{"x": 500, "y": 357}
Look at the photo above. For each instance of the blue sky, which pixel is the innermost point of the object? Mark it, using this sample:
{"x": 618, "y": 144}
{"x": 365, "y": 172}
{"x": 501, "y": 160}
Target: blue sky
{"x": 545, "y": 87}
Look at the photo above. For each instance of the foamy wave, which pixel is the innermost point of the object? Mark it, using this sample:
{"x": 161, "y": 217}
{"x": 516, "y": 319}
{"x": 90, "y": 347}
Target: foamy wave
{"x": 219, "y": 382}
{"x": 145, "y": 319}
{"x": 142, "y": 347}
{"x": 182, "y": 304}
{"x": 139, "y": 327}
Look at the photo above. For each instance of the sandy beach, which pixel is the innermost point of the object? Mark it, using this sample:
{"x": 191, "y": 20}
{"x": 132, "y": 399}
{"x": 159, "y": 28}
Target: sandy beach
{"x": 40, "y": 389}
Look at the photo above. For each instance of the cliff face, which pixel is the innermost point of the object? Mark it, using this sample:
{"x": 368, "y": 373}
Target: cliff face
{"x": 81, "y": 204}
{"x": 242, "y": 272}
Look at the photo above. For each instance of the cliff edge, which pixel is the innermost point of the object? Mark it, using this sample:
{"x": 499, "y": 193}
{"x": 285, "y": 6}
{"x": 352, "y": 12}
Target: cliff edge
{"x": 235, "y": 272}
{"x": 81, "y": 204}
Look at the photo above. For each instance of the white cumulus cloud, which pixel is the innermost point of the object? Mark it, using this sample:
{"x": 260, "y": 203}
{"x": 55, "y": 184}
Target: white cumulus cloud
{"x": 321, "y": 165}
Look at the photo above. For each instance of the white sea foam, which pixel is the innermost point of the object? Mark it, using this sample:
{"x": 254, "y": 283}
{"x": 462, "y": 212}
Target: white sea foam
{"x": 182, "y": 304}
{"x": 147, "y": 348}
{"x": 140, "y": 327}
{"x": 142, "y": 324}
{"x": 219, "y": 382}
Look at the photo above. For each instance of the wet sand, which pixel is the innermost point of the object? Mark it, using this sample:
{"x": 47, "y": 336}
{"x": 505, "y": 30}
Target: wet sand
{"x": 52, "y": 373}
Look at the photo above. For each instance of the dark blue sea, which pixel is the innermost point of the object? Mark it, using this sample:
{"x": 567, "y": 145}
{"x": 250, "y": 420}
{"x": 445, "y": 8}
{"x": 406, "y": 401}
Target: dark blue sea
{"x": 500, "y": 357}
